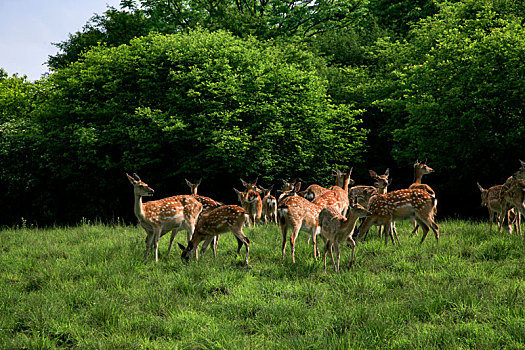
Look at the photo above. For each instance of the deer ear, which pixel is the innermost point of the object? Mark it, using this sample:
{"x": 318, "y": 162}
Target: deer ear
{"x": 136, "y": 177}
{"x": 132, "y": 180}
{"x": 188, "y": 183}
{"x": 387, "y": 172}
{"x": 236, "y": 191}
{"x": 244, "y": 183}
{"x": 480, "y": 188}
{"x": 198, "y": 182}
{"x": 297, "y": 187}
{"x": 372, "y": 173}
{"x": 522, "y": 163}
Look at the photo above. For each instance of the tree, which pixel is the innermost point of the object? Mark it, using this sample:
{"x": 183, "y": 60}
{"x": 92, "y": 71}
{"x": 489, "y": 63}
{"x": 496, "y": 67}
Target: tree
{"x": 113, "y": 28}
{"x": 188, "y": 105}
{"x": 459, "y": 98}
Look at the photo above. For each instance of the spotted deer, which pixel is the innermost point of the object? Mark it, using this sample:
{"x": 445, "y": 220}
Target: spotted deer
{"x": 288, "y": 186}
{"x": 289, "y": 189}
{"x": 336, "y": 229}
{"x": 340, "y": 189}
{"x": 364, "y": 193}
{"x": 269, "y": 205}
{"x": 512, "y": 193}
{"x": 335, "y": 197}
{"x": 208, "y": 204}
{"x": 298, "y": 213}
{"x": 421, "y": 169}
{"x": 164, "y": 215}
{"x": 491, "y": 199}
{"x": 406, "y": 204}
{"x": 313, "y": 191}
{"x": 228, "y": 218}
{"x": 251, "y": 202}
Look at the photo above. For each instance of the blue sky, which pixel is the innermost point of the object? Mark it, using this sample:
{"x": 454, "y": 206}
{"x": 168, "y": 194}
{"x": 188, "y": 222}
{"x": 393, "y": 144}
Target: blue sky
{"x": 29, "y": 27}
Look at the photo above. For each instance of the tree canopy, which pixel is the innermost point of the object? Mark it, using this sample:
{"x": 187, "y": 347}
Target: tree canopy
{"x": 228, "y": 89}
{"x": 187, "y": 105}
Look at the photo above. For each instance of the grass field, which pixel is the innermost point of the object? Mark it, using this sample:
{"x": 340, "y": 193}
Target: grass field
{"x": 88, "y": 287}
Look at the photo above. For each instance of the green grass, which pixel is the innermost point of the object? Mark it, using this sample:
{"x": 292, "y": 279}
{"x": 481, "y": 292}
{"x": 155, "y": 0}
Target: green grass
{"x": 88, "y": 287}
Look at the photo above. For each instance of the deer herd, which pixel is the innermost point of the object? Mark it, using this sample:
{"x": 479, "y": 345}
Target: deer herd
{"x": 330, "y": 213}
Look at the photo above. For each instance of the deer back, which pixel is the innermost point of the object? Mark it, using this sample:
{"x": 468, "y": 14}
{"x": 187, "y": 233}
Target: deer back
{"x": 362, "y": 194}
{"x": 401, "y": 204}
{"x": 296, "y": 210}
{"x": 314, "y": 191}
{"x": 512, "y": 191}
{"x": 172, "y": 211}
{"x": 423, "y": 187}
{"x": 328, "y": 199}
{"x": 220, "y": 220}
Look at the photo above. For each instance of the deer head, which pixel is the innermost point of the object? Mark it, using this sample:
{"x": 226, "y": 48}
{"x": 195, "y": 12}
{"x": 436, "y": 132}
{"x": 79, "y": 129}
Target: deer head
{"x": 193, "y": 186}
{"x": 141, "y": 189}
{"x": 382, "y": 181}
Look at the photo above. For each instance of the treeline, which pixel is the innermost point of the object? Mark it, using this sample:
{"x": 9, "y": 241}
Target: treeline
{"x": 238, "y": 89}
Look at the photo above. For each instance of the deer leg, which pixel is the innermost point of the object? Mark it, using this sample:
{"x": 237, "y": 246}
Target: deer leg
{"x": 293, "y": 237}
{"x": 242, "y": 237}
{"x": 425, "y": 229}
{"x": 206, "y": 244}
{"x": 352, "y": 243}
{"x": 283, "y": 231}
{"x": 240, "y": 243}
{"x": 363, "y": 229}
{"x": 214, "y": 246}
{"x": 326, "y": 246}
{"x": 416, "y": 227}
{"x": 394, "y": 230}
{"x": 389, "y": 233}
{"x": 435, "y": 228}
{"x": 331, "y": 246}
{"x": 172, "y": 237}
{"x": 314, "y": 235}
{"x": 149, "y": 243}
{"x": 491, "y": 219}
{"x": 156, "y": 238}
{"x": 520, "y": 211}
{"x": 338, "y": 256}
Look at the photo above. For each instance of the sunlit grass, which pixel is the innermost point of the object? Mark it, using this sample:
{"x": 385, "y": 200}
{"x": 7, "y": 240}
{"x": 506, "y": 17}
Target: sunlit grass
{"x": 88, "y": 287}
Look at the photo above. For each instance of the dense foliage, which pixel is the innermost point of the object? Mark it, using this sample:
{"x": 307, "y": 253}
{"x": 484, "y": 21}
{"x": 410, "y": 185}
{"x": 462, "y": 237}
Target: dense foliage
{"x": 185, "y": 105}
{"x": 222, "y": 90}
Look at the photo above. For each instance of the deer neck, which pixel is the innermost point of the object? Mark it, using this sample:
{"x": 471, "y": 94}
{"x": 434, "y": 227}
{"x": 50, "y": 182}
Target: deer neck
{"x": 418, "y": 175}
{"x": 349, "y": 225}
{"x": 382, "y": 190}
{"x": 346, "y": 182}
{"x": 139, "y": 208}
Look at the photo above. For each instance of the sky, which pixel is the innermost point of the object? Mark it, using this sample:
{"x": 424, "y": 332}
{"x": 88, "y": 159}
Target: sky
{"x": 29, "y": 27}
